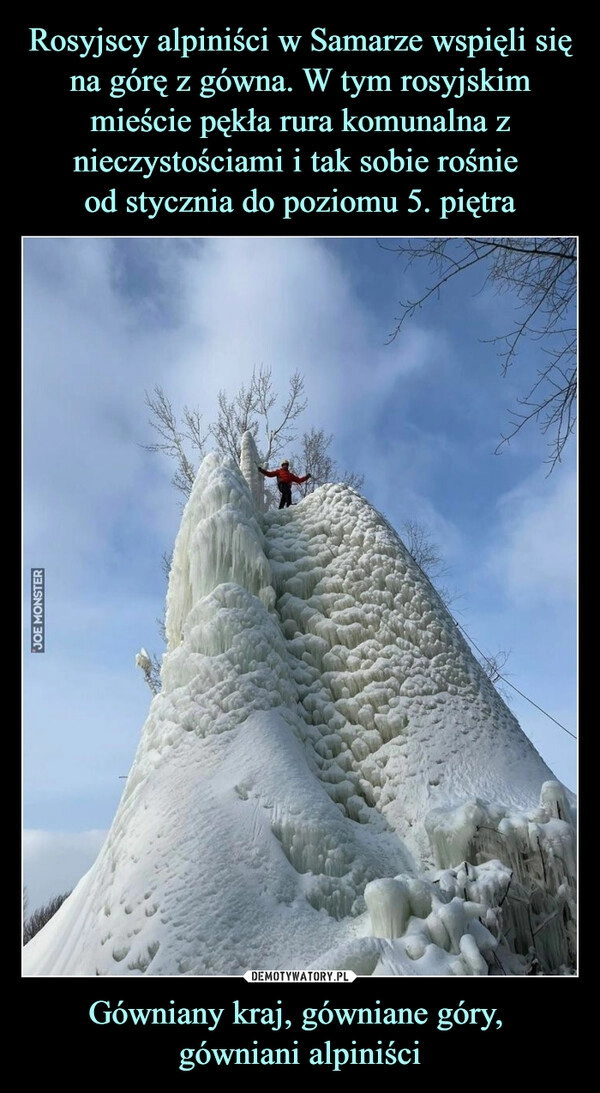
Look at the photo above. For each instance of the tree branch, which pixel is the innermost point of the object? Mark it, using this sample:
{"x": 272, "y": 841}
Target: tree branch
{"x": 543, "y": 275}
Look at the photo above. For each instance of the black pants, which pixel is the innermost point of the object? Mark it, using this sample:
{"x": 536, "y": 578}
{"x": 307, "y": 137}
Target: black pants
{"x": 285, "y": 490}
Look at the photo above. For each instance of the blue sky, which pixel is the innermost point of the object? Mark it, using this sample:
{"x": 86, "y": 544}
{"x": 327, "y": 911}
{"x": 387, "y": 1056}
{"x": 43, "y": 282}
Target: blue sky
{"x": 105, "y": 320}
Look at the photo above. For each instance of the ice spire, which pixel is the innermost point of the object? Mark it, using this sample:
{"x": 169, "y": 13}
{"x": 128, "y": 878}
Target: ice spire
{"x": 249, "y": 468}
{"x": 325, "y": 761}
{"x": 219, "y": 541}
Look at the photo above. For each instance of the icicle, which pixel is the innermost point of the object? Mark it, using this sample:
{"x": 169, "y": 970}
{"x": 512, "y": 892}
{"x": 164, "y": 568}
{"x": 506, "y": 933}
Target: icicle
{"x": 219, "y": 542}
{"x": 388, "y": 903}
{"x": 249, "y": 469}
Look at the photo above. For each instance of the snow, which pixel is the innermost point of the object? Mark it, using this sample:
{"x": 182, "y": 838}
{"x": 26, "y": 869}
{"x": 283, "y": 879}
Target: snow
{"x": 327, "y": 779}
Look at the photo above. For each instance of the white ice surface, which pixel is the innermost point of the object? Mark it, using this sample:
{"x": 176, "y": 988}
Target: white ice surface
{"x": 323, "y": 760}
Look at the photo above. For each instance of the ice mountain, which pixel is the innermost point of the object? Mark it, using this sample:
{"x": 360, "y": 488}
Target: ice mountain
{"x": 327, "y": 778}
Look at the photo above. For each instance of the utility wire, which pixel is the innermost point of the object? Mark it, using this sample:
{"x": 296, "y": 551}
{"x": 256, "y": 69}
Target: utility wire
{"x": 509, "y": 684}
{"x": 470, "y": 639}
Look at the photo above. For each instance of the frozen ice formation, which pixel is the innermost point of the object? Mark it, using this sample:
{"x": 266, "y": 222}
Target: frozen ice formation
{"x": 327, "y": 778}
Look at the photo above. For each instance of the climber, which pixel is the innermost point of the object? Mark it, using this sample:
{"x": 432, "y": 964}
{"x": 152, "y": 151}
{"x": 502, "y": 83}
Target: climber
{"x": 284, "y": 478}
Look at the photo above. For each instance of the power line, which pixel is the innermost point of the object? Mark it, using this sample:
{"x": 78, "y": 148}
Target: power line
{"x": 470, "y": 639}
{"x": 509, "y": 684}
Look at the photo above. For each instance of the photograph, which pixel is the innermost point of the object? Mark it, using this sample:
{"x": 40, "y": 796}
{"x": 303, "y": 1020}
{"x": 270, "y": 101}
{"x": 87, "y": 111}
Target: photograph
{"x": 300, "y": 613}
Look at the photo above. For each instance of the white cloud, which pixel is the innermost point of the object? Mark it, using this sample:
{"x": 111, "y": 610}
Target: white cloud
{"x": 289, "y": 305}
{"x": 535, "y": 556}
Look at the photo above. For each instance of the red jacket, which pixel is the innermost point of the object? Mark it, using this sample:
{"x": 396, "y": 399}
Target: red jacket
{"x": 283, "y": 475}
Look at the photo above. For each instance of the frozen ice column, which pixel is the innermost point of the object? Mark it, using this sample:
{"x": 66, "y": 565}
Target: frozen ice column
{"x": 249, "y": 468}
{"x": 219, "y": 542}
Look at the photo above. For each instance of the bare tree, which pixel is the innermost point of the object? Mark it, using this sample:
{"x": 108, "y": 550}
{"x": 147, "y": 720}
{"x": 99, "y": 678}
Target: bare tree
{"x": 41, "y": 916}
{"x": 182, "y": 441}
{"x": 428, "y": 556}
{"x": 150, "y": 666}
{"x": 425, "y": 552}
{"x": 150, "y": 663}
{"x": 314, "y": 455}
{"x": 493, "y": 665}
{"x": 254, "y": 409}
{"x": 542, "y": 272}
